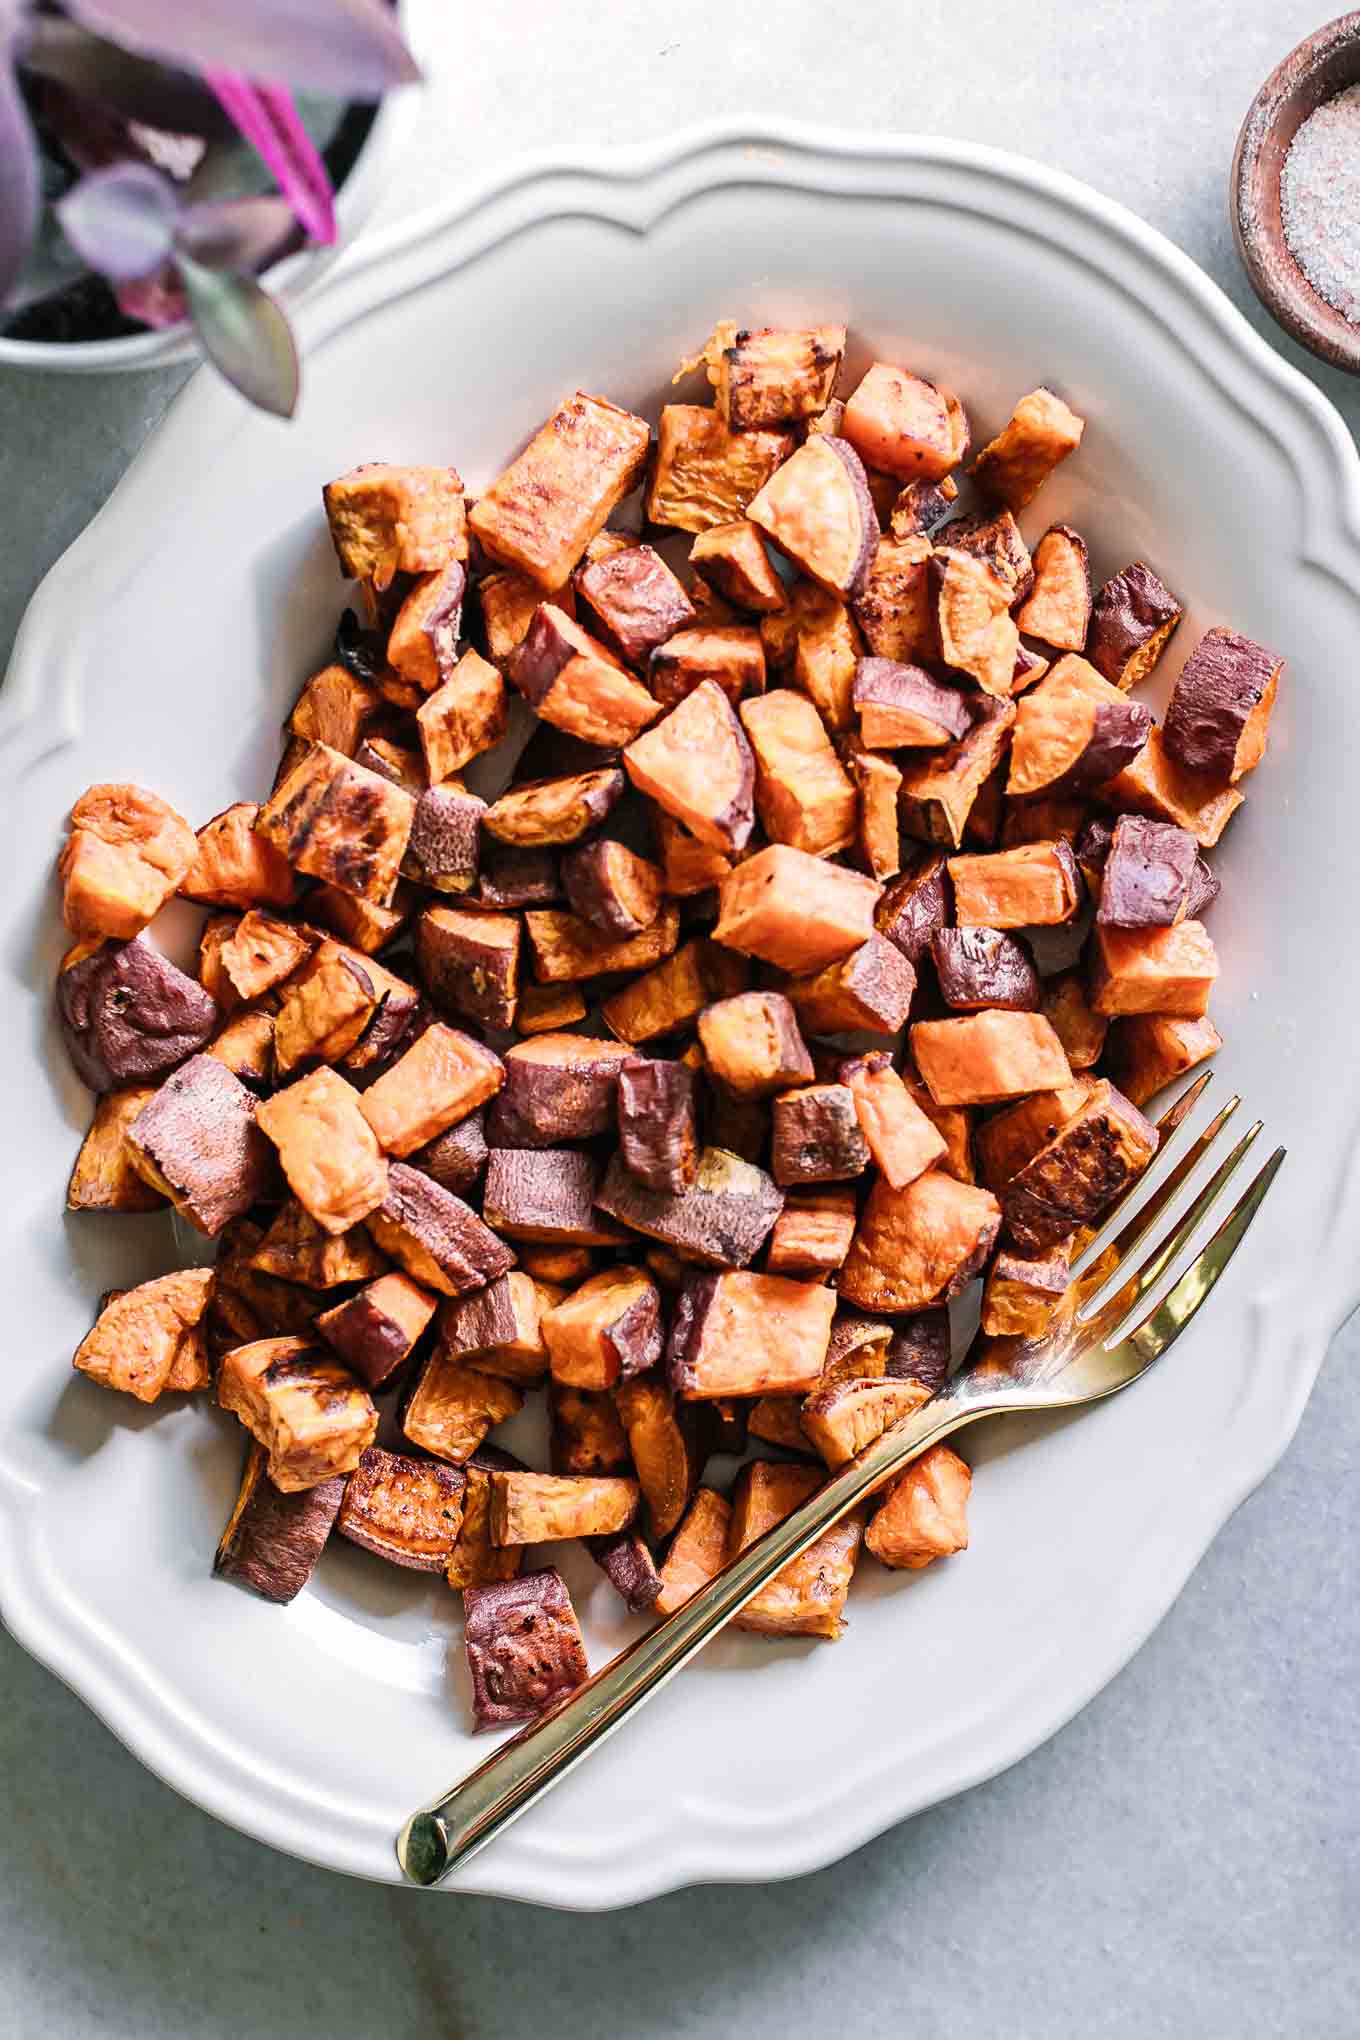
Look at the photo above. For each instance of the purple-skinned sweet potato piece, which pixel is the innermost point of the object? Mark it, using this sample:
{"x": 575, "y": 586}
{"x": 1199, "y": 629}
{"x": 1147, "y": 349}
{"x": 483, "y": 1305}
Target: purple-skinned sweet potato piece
{"x": 980, "y": 967}
{"x": 456, "y": 1158}
{"x": 817, "y": 1136}
{"x": 513, "y": 875}
{"x": 273, "y": 1540}
{"x": 914, "y": 905}
{"x": 376, "y": 1330}
{"x": 870, "y": 990}
{"x": 635, "y": 600}
{"x": 1148, "y": 874}
{"x": 540, "y": 813}
{"x": 629, "y": 1567}
{"x": 558, "y": 1088}
{"x": 128, "y": 1015}
{"x": 469, "y": 963}
{"x": 995, "y": 540}
{"x": 744, "y": 1334}
{"x": 612, "y": 888}
{"x": 818, "y": 511}
{"x": 197, "y": 1142}
{"x": 903, "y": 706}
{"x": 423, "y": 642}
{"x": 1217, "y": 718}
{"x": 572, "y": 680}
{"x": 1132, "y": 620}
{"x": 434, "y": 1236}
{"x": 445, "y": 842}
{"x": 548, "y": 1195}
{"x": 919, "y": 1348}
{"x": 524, "y": 1646}
{"x": 722, "y": 1220}
{"x": 657, "y": 1137}
{"x": 1073, "y": 732}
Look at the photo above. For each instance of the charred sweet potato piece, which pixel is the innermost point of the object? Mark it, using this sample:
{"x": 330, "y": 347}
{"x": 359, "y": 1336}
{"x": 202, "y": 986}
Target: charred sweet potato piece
{"x": 1148, "y": 874}
{"x": 733, "y": 558}
{"x": 1081, "y": 1030}
{"x": 452, "y": 1407}
{"x": 565, "y": 948}
{"x": 586, "y": 1436}
{"x": 1023, "y": 1292}
{"x": 919, "y": 1348}
{"x": 523, "y": 1644}
{"x": 1087, "y": 1166}
{"x": 635, "y": 600}
{"x": 995, "y": 539}
{"x": 297, "y": 1249}
{"x": 628, "y": 1565}
{"x": 985, "y": 1058}
{"x": 246, "y": 1305}
{"x": 532, "y": 1194}
{"x": 273, "y": 1540}
{"x": 555, "y": 811}
{"x": 1035, "y": 885}
{"x": 311, "y": 1416}
{"x": 665, "y": 1445}
{"x": 1153, "y": 970}
{"x": 246, "y": 1046}
{"x": 499, "y": 1328}
{"x": 977, "y": 634}
{"x": 920, "y": 506}
{"x": 103, "y": 1178}
{"x": 149, "y": 1340}
{"x": 577, "y": 684}
{"x": 721, "y": 1220}
{"x": 606, "y": 1331}
{"x": 817, "y": 1136}
{"x": 1039, "y": 434}
{"x": 919, "y": 1245}
{"x": 658, "y": 1142}
{"x": 940, "y": 790}
{"x": 793, "y": 910}
{"x": 1219, "y": 712}
{"x": 744, "y": 1334}
{"x": 877, "y": 842}
{"x": 980, "y": 967}
{"x": 262, "y": 952}
{"x": 698, "y": 1550}
{"x": 904, "y": 426}
{"x": 1058, "y": 606}
{"x": 924, "y": 1515}
{"x": 1132, "y": 621}
{"x": 752, "y": 1044}
{"x": 422, "y": 644}
{"x": 613, "y": 889}
{"x": 326, "y": 1009}
{"x": 558, "y": 1087}
{"x": 1009, "y": 1139}
{"x": 469, "y": 963}
{"x": 870, "y": 990}
{"x": 778, "y": 377}
{"x": 475, "y": 1560}
{"x": 336, "y": 708}
{"x": 808, "y": 1597}
{"x": 1148, "y": 1051}
{"x": 539, "y": 516}
{"x": 127, "y": 853}
{"x": 464, "y": 716}
{"x": 537, "y": 1508}
{"x": 434, "y": 1236}
{"x": 235, "y": 867}
{"x": 1073, "y": 732}
{"x": 817, "y": 510}
{"x": 375, "y": 1331}
{"x": 329, "y": 1154}
{"x": 913, "y": 906}
{"x": 812, "y": 1234}
{"x": 336, "y": 821}
{"x": 842, "y": 1417}
{"x": 445, "y": 845}
{"x": 803, "y": 795}
{"x": 389, "y": 520}
{"x": 730, "y": 656}
{"x": 403, "y": 1509}
{"x": 902, "y": 1142}
{"x": 900, "y": 705}
{"x": 674, "y": 994}
{"x": 894, "y": 609}
{"x": 1154, "y": 784}
{"x": 706, "y": 474}
{"x": 196, "y": 1142}
{"x": 697, "y": 765}
{"x": 442, "y": 1077}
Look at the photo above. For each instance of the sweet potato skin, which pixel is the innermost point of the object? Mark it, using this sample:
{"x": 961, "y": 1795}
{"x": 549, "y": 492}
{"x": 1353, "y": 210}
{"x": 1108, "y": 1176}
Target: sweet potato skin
{"x": 523, "y": 1645}
{"x": 1132, "y": 620}
{"x": 558, "y": 1087}
{"x": 721, "y": 1220}
{"x": 817, "y": 1136}
{"x": 636, "y": 600}
{"x": 273, "y": 1540}
{"x": 1220, "y": 706}
{"x": 657, "y": 1134}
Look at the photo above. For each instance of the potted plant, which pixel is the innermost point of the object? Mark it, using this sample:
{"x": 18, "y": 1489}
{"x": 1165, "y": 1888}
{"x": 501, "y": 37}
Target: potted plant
{"x": 158, "y": 157}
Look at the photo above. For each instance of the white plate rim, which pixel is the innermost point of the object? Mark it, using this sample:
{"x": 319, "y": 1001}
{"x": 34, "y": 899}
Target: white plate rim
{"x": 634, "y": 187}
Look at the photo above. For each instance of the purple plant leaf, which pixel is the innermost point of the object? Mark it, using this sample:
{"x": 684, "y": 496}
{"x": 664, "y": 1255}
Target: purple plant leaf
{"x": 242, "y": 234}
{"x": 244, "y": 334}
{"x": 121, "y": 221}
{"x": 132, "y": 86}
{"x": 352, "y": 49}
{"x": 267, "y": 117}
{"x": 158, "y": 301}
{"x": 19, "y": 180}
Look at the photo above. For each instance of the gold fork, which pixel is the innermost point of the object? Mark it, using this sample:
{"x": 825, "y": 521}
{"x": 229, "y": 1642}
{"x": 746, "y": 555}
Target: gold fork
{"x": 1077, "y": 1361}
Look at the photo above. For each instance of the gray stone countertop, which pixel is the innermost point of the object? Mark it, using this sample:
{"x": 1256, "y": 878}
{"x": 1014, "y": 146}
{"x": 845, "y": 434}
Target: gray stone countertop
{"x": 1182, "y": 1859}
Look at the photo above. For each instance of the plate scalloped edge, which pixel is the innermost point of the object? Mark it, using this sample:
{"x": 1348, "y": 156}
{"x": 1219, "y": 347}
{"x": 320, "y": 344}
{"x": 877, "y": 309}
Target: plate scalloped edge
{"x": 635, "y": 187}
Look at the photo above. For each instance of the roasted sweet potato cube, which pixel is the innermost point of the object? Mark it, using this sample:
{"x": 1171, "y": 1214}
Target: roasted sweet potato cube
{"x": 469, "y": 963}
{"x": 977, "y": 635}
{"x": 1035, "y": 885}
{"x": 559, "y": 1266}
{"x": 1132, "y": 620}
{"x": 1219, "y": 712}
{"x": 246, "y": 1305}
{"x": 359, "y": 923}
{"x": 698, "y": 1550}
{"x": 523, "y": 1644}
{"x": 1095, "y": 1156}
{"x": 894, "y": 609}
{"x": 1009, "y": 1139}
{"x": 499, "y": 1328}
{"x": 674, "y": 994}
{"x": 1039, "y": 434}
{"x": 576, "y": 683}
{"x": 103, "y": 1178}
{"x": 325, "y": 1011}
{"x": 730, "y": 655}
{"x": 336, "y": 821}
{"x": 555, "y": 811}
{"x": 980, "y": 967}
{"x": 744, "y": 1334}
{"x": 1081, "y": 1030}
{"x": 442, "y": 1077}
{"x": 778, "y": 377}
{"x": 697, "y": 765}
{"x": 128, "y": 1015}
{"x": 464, "y": 716}
{"x": 817, "y": 510}
{"x": 508, "y": 602}
{"x": 262, "y": 952}
{"x": 336, "y": 708}
{"x": 721, "y": 1220}
{"x": 1023, "y": 1291}
{"x": 817, "y": 1136}
{"x": 808, "y": 1597}
{"x": 586, "y": 1434}
{"x": 445, "y": 846}
{"x": 606, "y": 1331}
{"x": 995, "y": 539}
{"x": 149, "y": 1340}
{"x": 1058, "y": 606}
{"x": 919, "y": 1348}
{"x": 613, "y": 889}
{"x": 457, "y": 1158}
{"x": 953, "y": 1123}
{"x": 869, "y": 991}
{"x": 842, "y": 1417}
{"x": 537, "y": 1508}
{"x": 1148, "y": 874}
{"x": 1148, "y": 1051}
{"x": 665, "y": 1445}
{"x": 733, "y": 558}
{"x": 389, "y": 520}
{"x": 403, "y": 1509}
{"x": 752, "y": 1044}
{"x": 919, "y": 1245}
{"x": 1153, "y": 970}
{"x": 941, "y": 789}
{"x": 877, "y": 842}
{"x": 452, "y": 1406}
{"x": 475, "y": 1560}
{"x": 706, "y": 474}
{"x": 422, "y": 644}
{"x": 127, "y": 853}
{"x": 547, "y": 1009}
{"x": 913, "y": 906}
{"x": 795, "y": 911}
{"x": 920, "y": 506}
{"x": 657, "y": 1138}
{"x": 235, "y": 867}
{"x": 778, "y": 1420}
{"x": 803, "y": 794}
{"x": 812, "y": 1234}
{"x": 628, "y": 1565}
{"x": 273, "y": 1540}
{"x": 905, "y": 426}
{"x": 985, "y": 1058}
{"x": 902, "y": 1142}
{"x": 901, "y": 705}
{"x": 1154, "y": 784}
{"x": 196, "y": 1141}
{"x": 687, "y": 865}
{"x": 539, "y": 516}
{"x": 1073, "y": 732}
{"x": 924, "y": 1515}
{"x": 532, "y": 1194}
{"x": 566, "y": 949}
{"x": 434, "y": 1236}
{"x": 558, "y": 1087}
{"x": 401, "y": 765}
{"x": 1042, "y": 821}
{"x": 635, "y": 600}
{"x": 329, "y": 1153}
{"x": 819, "y": 645}
{"x": 311, "y": 1416}
{"x": 376, "y": 1330}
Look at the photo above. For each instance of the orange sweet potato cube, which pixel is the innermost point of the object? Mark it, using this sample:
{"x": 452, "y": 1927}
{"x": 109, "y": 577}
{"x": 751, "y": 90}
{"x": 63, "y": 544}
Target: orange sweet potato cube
{"x": 904, "y": 426}
{"x": 697, "y": 765}
{"x": 812, "y": 1234}
{"x": 924, "y": 1515}
{"x": 235, "y": 867}
{"x": 752, "y": 1044}
{"x": 1035, "y": 885}
{"x": 540, "y": 515}
{"x": 705, "y": 474}
{"x": 334, "y": 820}
{"x": 742, "y": 1334}
{"x": 128, "y": 851}
{"x": 808, "y": 1597}
{"x": 396, "y": 520}
{"x": 1154, "y": 970}
{"x": 903, "y": 1142}
{"x": 1040, "y": 432}
{"x": 463, "y": 718}
{"x": 985, "y": 1058}
{"x": 441, "y": 1078}
{"x": 919, "y": 1245}
{"x": 576, "y": 683}
{"x": 803, "y": 794}
{"x": 698, "y": 1551}
{"x": 329, "y": 1152}
{"x": 795, "y": 911}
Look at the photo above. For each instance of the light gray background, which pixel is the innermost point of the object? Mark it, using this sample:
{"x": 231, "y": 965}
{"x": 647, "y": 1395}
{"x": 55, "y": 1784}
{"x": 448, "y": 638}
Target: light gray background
{"x": 1182, "y": 1860}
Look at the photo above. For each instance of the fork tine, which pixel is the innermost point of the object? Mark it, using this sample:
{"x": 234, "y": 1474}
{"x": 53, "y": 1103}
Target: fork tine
{"x": 1164, "y": 1324}
{"x": 1121, "y": 1303}
{"x": 1117, "y": 1251}
{"x": 1168, "y": 1126}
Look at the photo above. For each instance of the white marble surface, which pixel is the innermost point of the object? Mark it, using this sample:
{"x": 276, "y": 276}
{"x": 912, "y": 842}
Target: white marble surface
{"x": 1183, "y": 1858}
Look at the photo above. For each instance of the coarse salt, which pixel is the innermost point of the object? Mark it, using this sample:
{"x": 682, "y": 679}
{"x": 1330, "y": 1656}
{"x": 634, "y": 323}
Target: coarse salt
{"x": 1320, "y": 201}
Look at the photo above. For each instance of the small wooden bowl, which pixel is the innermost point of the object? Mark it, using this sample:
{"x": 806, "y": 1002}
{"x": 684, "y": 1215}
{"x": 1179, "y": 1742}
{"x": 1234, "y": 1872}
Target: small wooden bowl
{"x": 1321, "y": 66}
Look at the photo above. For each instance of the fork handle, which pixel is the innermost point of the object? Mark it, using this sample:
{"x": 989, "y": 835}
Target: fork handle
{"x": 471, "y": 1813}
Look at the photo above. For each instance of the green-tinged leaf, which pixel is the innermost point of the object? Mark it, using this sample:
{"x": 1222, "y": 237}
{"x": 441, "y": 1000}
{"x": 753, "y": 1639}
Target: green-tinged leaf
{"x": 245, "y": 335}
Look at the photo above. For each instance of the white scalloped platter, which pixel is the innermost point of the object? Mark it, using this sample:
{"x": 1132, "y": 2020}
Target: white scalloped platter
{"x": 166, "y": 646}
